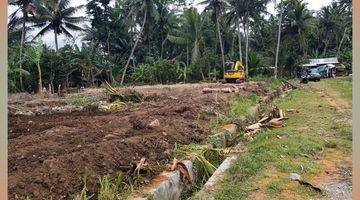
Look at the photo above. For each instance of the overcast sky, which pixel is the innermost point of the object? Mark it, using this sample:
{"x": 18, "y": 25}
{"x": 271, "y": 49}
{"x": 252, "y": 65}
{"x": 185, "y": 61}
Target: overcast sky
{"x": 49, "y": 38}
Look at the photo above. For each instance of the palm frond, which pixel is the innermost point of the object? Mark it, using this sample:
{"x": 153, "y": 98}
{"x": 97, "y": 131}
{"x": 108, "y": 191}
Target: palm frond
{"x": 74, "y": 19}
{"x": 73, "y": 27}
{"x": 195, "y": 54}
{"x": 69, "y": 11}
{"x": 20, "y": 71}
{"x": 63, "y": 4}
{"x": 67, "y": 33}
{"x": 42, "y": 31}
{"x": 176, "y": 39}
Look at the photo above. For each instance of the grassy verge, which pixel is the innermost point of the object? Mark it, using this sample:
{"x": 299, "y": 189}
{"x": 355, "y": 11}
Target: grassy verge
{"x": 274, "y": 82}
{"x": 212, "y": 158}
{"x": 263, "y": 170}
{"x": 342, "y": 86}
{"x": 238, "y": 106}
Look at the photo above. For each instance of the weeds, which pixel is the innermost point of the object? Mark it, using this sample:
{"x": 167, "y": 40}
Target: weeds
{"x": 128, "y": 95}
{"x": 207, "y": 157}
{"x": 108, "y": 190}
{"x": 274, "y": 82}
{"x": 274, "y": 187}
{"x": 206, "y": 161}
{"x": 199, "y": 152}
{"x": 82, "y": 100}
{"x": 83, "y": 195}
{"x": 239, "y": 106}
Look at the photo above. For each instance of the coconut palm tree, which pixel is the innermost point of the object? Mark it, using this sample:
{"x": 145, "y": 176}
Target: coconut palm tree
{"x": 330, "y": 24}
{"x": 138, "y": 9}
{"x": 298, "y": 22}
{"x": 26, "y": 7}
{"x": 57, "y": 16}
{"x": 347, "y": 4}
{"x": 235, "y": 14}
{"x": 335, "y": 23}
{"x": 278, "y": 37}
{"x": 252, "y": 9}
{"x": 189, "y": 35}
{"x": 216, "y": 7}
{"x": 245, "y": 11}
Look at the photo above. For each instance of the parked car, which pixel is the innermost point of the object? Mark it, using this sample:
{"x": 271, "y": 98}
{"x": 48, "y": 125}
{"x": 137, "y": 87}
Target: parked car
{"x": 326, "y": 71}
{"x": 310, "y": 75}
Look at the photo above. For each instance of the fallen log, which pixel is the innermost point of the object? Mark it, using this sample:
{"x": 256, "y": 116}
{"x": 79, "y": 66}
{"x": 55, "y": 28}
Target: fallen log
{"x": 214, "y": 90}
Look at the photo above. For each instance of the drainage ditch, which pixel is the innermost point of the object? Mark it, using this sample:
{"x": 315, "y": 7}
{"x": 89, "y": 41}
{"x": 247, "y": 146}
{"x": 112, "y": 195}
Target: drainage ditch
{"x": 201, "y": 180}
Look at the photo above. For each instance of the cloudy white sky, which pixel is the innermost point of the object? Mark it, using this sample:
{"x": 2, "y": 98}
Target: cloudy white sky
{"x": 49, "y": 38}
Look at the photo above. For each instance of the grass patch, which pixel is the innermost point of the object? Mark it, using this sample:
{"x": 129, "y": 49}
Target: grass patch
{"x": 109, "y": 189}
{"x": 275, "y": 187}
{"x": 239, "y": 106}
{"x": 274, "y": 82}
{"x": 301, "y": 139}
{"x": 82, "y": 100}
{"x": 342, "y": 85}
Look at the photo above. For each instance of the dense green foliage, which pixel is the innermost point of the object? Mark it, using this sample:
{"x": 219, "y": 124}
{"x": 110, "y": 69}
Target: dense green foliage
{"x": 168, "y": 41}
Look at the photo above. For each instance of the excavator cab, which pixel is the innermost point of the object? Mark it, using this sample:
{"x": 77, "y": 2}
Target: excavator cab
{"x": 234, "y": 72}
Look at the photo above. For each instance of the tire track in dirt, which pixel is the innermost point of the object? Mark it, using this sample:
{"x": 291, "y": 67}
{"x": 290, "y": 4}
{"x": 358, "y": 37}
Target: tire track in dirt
{"x": 334, "y": 99}
{"x": 338, "y": 185}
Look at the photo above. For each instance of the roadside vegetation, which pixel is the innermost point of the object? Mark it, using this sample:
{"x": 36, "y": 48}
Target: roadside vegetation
{"x": 311, "y": 138}
{"x": 168, "y": 41}
{"x": 238, "y": 106}
{"x": 343, "y": 86}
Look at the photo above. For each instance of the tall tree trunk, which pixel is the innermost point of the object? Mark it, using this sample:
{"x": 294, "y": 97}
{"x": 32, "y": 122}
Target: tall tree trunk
{"x": 278, "y": 40}
{"x": 22, "y": 44}
{"x": 56, "y": 40}
{"x": 133, "y": 49}
{"x": 202, "y": 74}
{"x": 91, "y": 77}
{"x": 247, "y": 47}
{"x": 233, "y": 44}
{"x": 90, "y": 63}
{"x": 325, "y": 48}
{"x": 239, "y": 38}
{"x": 111, "y": 77}
{"x": 187, "y": 55}
{"x": 51, "y": 86}
{"x": 341, "y": 41}
{"x": 39, "y": 78}
{"x": 162, "y": 48}
{"x": 220, "y": 43}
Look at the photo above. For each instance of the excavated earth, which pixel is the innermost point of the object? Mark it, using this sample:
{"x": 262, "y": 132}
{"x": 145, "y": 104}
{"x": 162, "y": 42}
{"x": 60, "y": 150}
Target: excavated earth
{"x": 47, "y": 154}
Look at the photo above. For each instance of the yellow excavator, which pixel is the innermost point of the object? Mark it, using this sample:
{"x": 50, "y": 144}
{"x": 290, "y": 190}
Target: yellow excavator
{"x": 234, "y": 72}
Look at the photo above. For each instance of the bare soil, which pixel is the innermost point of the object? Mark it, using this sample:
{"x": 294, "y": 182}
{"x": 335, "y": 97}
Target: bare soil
{"x": 48, "y": 153}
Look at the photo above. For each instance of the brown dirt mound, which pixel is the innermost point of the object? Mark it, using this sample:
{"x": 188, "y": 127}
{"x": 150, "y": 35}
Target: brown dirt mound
{"x": 48, "y": 153}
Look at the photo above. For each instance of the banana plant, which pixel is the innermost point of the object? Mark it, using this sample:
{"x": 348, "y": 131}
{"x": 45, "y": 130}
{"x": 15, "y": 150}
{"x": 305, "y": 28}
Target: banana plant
{"x": 183, "y": 72}
{"x": 215, "y": 73}
{"x": 33, "y": 54}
